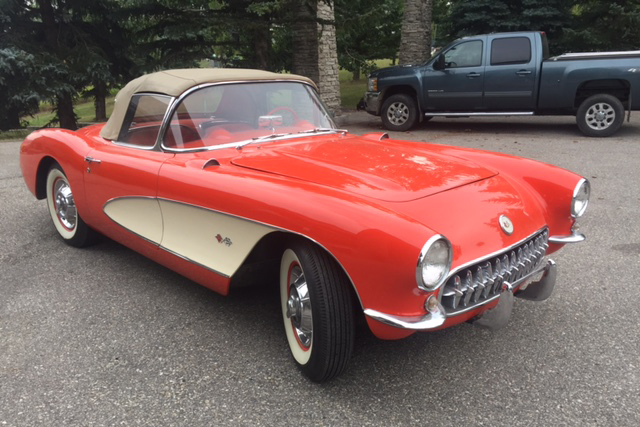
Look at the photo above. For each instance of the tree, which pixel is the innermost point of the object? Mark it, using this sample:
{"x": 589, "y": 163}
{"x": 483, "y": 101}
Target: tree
{"x": 19, "y": 96}
{"x": 471, "y": 17}
{"x": 367, "y": 30}
{"x": 604, "y": 25}
{"x": 415, "y": 45}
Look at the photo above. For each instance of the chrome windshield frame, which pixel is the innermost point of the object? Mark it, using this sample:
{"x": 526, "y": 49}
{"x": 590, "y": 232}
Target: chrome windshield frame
{"x": 237, "y": 144}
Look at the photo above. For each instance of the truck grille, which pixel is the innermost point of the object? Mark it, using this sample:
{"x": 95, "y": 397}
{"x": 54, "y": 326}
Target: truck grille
{"x": 481, "y": 281}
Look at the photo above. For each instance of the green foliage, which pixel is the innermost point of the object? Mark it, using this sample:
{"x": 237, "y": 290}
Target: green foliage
{"x": 367, "y": 30}
{"x": 18, "y": 99}
{"x": 604, "y": 25}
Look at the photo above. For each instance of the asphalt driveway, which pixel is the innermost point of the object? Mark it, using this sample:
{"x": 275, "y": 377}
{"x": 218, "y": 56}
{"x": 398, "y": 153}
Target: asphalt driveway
{"x": 104, "y": 337}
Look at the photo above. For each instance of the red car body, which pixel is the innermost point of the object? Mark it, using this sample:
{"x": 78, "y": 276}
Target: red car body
{"x": 369, "y": 202}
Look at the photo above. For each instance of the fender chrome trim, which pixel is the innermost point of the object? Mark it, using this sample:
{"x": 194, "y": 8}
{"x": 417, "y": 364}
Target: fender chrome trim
{"x": 575, "y": 237}
{"x": 431, "y": 320}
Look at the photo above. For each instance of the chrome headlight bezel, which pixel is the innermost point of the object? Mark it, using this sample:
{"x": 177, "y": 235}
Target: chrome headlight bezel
{"x": 430, "y": 253}
{"x": 580, "y": 199}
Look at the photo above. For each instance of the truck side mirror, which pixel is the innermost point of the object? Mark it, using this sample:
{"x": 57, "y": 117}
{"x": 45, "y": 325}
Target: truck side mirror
{"x": 439, "y": 63}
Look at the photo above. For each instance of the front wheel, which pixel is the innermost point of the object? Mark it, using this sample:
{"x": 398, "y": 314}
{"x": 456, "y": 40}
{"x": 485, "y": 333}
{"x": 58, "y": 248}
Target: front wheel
{"x": 399, "y": 112}
{"x": 600, "y": 115}
{"x": 317, "y": 311}
{"x": 62, "y": 207}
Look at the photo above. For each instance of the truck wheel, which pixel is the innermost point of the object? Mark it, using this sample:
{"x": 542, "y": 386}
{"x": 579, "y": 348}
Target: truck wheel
{"x": 399, "y": 112}
{"x": 317, "y": 311}
{"x": 600, "y": 115}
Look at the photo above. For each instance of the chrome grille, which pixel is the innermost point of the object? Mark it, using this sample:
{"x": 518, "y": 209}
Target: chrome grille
{"x": 480, "y": 282}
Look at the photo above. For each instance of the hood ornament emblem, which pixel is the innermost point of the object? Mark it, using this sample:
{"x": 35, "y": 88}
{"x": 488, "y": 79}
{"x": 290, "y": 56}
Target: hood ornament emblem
{"x": 506, "y": 225}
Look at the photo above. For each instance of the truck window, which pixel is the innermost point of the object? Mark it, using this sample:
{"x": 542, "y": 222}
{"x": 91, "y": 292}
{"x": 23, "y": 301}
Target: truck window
{"x": 510, "y": 50}
{"x": 466, "y": 54}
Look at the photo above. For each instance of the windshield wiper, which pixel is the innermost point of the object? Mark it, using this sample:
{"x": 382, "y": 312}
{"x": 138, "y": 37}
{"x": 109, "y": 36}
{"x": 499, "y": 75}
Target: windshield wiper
{"x": 318, "y": 130}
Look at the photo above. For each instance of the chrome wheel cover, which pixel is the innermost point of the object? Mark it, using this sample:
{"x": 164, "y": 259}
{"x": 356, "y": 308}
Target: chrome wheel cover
{"x": 64, "y": 204}
{"x": 398, "y": 113}
{"x": 600, "y": 116}
{"x": 299, "y": 307}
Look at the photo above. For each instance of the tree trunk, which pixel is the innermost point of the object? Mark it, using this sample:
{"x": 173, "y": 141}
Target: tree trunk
{"x": 11, "y": 120}
{"x": 100, "y": 100}
{"x": 305, "y": 34}
{"x": 415, "y": 45}
{"x": 356, "y": 73}
{"x": 66, "y": 115}
{"x": 262, "y": 45}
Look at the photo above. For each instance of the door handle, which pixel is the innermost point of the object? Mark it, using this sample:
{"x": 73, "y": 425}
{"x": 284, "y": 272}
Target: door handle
{"x": 523, "y": 72}
{"x": 92, "y": 160}
{"x": 473, "y": 75}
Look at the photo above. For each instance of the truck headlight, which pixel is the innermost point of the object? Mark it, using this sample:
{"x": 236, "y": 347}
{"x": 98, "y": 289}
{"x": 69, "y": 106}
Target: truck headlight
{"x": 434, "y": 263}
{"x": 580, "y": 198}
{"x": 372, "y": 86}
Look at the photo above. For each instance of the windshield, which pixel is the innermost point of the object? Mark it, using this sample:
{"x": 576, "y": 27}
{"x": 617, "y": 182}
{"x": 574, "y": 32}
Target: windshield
{"x": 232, "y": 114}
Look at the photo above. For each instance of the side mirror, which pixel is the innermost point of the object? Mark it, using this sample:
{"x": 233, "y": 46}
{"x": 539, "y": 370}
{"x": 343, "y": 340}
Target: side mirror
{"x": 439, "y": 63}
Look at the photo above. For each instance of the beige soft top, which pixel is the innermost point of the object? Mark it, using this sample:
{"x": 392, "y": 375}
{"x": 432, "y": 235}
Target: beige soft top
{"x": 175, "y": 82}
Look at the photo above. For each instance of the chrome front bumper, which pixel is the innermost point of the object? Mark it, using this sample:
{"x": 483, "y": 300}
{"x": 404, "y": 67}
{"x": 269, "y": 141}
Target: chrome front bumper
{"x": 494, "y": 318}
{"x": 372, "y": 103}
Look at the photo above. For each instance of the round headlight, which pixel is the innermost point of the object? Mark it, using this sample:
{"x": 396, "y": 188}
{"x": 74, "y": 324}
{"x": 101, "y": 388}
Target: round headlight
{"x": 434, "y": 263}
{"x": 580, "y": 198}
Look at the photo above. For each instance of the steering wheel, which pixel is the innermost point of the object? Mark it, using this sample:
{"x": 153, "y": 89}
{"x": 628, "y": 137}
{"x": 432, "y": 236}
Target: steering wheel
{"x": 294, "y": 116}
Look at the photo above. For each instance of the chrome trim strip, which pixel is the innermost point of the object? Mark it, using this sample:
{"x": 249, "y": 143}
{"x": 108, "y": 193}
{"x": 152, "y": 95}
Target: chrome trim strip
{"x": 475, "y": 114}
{"x": 430, "y": 321}
{"x": 194, "y": 262}
{"x": 494, "y": 254}
{"x": 575, "y": 237}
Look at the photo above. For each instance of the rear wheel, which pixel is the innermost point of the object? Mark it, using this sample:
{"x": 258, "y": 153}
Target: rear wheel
{"x": 399, "y": 112}
{"x": 317, "y": 311}
{"x": 62, "y": 207}
{"x": 600, "y": 115}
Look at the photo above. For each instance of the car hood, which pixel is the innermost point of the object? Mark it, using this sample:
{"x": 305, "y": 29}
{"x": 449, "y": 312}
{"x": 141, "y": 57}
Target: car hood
{"x": 383, "y": 170}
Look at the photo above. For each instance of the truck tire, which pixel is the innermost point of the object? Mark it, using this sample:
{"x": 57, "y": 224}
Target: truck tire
{"x": 399, "y": 112}
{"x": 600, "y": 115}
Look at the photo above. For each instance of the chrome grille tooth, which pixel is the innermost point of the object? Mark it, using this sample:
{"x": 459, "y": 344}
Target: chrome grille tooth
{"x": 457, "y": 291}
{"x": 468, "y": 286}
{"x": 478, "y": 283}
{"x": 488, "y": 278}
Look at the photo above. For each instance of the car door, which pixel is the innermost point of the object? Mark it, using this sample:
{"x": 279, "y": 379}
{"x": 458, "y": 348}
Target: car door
{"x": 459, "y": 86}
{"x": 510, "y": 76}
{"x": 121, "y": 177}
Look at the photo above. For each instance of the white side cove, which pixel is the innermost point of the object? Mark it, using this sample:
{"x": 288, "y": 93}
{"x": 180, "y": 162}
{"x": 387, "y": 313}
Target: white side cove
{"x": 140, "y": 215}
{"x": 217, "y": 241}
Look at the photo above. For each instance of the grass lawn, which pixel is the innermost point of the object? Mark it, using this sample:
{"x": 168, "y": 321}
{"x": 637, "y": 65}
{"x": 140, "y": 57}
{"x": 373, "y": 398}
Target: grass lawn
{"x": 85, "y": 110}
{"x": 352, "y": 91}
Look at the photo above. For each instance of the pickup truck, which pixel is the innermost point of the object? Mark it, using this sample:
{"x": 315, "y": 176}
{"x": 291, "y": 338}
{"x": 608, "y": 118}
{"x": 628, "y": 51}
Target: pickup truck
{"x": 509, "y": 74}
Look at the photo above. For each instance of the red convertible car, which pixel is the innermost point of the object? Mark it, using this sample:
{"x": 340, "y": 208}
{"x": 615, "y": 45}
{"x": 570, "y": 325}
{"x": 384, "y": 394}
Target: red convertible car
{"x": 236, "y": 176}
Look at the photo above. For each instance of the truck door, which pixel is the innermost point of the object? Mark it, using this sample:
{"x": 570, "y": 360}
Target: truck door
{"x": 457, "y": 87}
{"x": 510, "y": 75}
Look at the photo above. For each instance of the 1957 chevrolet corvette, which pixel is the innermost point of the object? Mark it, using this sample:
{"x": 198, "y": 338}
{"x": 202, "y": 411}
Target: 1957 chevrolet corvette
{"x": 235, "y": 176}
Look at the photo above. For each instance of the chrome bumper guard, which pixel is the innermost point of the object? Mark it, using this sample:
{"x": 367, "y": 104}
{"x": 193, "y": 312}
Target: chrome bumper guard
{"x": 494, "y": 318}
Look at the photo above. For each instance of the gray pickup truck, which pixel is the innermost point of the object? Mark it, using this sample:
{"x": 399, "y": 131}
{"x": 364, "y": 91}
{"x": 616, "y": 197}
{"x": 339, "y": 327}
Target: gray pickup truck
{"x": 509, "y": 74}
